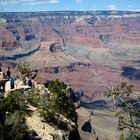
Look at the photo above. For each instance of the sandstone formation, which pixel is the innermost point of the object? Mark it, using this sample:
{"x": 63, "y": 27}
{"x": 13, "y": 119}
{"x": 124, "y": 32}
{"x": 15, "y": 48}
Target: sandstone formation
{"x": 88, "y": 50}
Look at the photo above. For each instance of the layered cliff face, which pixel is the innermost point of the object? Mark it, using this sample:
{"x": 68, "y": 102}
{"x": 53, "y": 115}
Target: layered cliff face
{"x": 85, "y": 28}
{"x": 85, "y": 49}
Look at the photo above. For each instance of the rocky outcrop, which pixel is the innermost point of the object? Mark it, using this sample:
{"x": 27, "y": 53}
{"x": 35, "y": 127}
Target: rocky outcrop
{"x": 55, "y": 47}
{"x": 102, "y": 122}
{"x": 49, "y": 132}
{"x": 87, "y": 126}
{"x": 104, "y": 38}
{"x": 69, "y": 68}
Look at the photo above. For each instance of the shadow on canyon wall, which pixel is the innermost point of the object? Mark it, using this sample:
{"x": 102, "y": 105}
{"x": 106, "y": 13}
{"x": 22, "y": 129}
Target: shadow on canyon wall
{"x": 102, "y": 104}
{"x": 18, "y": 56}
{"x": 131, "y": 73}
{"x": 99, "y": 104}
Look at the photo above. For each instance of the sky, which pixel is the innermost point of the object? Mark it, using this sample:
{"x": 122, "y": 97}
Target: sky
{"x": 68, "y": 5}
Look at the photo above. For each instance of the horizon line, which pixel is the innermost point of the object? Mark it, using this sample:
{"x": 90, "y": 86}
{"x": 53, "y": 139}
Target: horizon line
{"x": 70, "y": 11}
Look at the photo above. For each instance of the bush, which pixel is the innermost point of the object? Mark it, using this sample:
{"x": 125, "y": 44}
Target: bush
{"x": 12, "y": 117}
{"x": 25, "y": 71}
{"x": 58, "y": 102}
{"x": 60, "y": 99}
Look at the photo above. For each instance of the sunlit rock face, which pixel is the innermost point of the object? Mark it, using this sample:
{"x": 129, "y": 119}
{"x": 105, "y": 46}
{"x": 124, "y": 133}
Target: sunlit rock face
{"x": 88, "y": 50}
{"x": 85, "y": 28}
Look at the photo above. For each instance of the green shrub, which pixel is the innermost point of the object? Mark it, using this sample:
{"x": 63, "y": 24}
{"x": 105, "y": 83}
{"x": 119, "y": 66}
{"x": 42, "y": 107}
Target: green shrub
{"x": 58, "y": 102}
{"x": 12, "y": 117}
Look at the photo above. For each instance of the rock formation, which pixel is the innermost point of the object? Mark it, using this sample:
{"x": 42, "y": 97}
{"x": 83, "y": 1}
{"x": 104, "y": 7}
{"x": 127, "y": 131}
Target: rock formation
{"x": 87, "y": 126}
{"x": 87, "y": 50}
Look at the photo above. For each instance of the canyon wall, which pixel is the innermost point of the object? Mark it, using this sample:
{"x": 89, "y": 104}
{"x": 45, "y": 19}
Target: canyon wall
{"x": 88, "y": 50}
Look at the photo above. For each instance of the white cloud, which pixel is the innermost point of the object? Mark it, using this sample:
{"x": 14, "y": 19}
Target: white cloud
{"x": 8, "y": 3}
{"x": 133, "y": 8}
{"x": 34, "y": 3}
{"x": 26, "y": 2}
{"x": 3, "y": 3}
{"x": 111, "y": 7}
{"x": 137, "y": 10}
{"x": 14, "y": 2}
{"x": 79, "y": 1}
{"x": 53, "y": 1}
{"x": 39, "y": 2}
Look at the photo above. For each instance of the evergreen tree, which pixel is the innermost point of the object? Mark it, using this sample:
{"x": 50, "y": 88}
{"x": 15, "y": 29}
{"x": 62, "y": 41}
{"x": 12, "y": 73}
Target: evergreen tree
{"x": 12, "y": 117}
{"x": 58, "y": 102}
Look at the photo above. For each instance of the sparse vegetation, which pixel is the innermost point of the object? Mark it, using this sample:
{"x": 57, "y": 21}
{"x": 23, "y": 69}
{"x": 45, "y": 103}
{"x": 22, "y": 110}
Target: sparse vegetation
{"x": 33, "y": 96}
{"x": 128, "y": 112}
{"x": 25, "y": 71}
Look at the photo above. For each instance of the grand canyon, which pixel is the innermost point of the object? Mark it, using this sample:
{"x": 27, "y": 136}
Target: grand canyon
{"x": 90, "y": 51}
